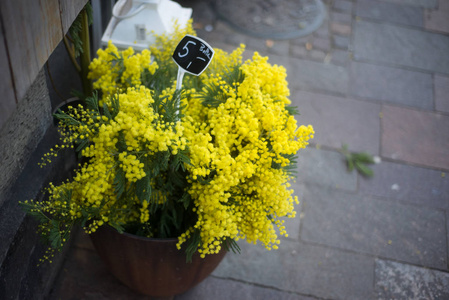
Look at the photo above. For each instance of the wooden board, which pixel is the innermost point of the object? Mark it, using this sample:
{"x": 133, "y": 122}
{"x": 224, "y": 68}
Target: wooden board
{"x": 32, "y": 32}
{"x": 69, "y": 11}
{"x": 8, "y": 99}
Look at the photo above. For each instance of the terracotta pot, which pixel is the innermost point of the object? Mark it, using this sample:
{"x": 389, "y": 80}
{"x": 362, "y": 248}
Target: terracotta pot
{"x": 153, "y": 267}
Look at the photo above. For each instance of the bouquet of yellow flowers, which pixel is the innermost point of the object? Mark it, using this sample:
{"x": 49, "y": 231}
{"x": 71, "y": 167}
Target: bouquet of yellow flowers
{"x": 211, "y": 172}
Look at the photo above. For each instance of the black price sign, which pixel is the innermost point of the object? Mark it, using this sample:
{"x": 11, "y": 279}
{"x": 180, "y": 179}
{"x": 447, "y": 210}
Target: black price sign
{"x": 193, "y": 55}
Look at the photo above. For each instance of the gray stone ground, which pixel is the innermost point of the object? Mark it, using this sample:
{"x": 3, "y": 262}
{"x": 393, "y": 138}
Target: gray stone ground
{"x": 374, "y": 76}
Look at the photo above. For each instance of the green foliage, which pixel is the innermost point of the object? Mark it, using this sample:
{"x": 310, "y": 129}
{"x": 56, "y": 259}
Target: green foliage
{"x": 290, "y": 168}
{"x": 358, "y": 161}
{"x": 233, "y": 74}
{"x": 207, "y": 179}
{"x": 214, "y": 95}
{"x": 31, "y": 209}
{"x": 119, "y": 182}
{"x": 65, "y": 118}
{"x": 92, "y": 102}
{"x": 292, "y": 110}
{"x": 54, "y": 229}
{"x": 231, "y": 245}
{"x": 144, "y": 189}
{"x": 164, "y": 186}
{"x": 162, "y": 77}
{"x": 77, "y": 27}
{"x": 192, "y": 244}
{"x": 82, "y": 143}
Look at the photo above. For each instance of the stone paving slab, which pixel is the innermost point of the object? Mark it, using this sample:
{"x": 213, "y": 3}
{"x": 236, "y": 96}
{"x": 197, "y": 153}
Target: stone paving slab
{"x": 415, "y": 136}
{"x": 343, "y": 5}
{"x": 325, "y": 168}
{"x": 400, "y": 281}
{"x": 340, "y": 57}
{"x": 322, "y": 76}
{"x": 441, "y": 93}
{"x": 341, "y": 29}
{"x": 223, "y": 35}
{"x": 419, "y": 3}
{"x": 438, "y": 20}
{"x": 375, "y": 226}
{"x": 390, "y": 12}
{"x": 339, "y": 121}
{"x": 401, "y": 46}
{"x": 409, "y": 184}
{"x": 447, "y": 230}
{"x": 339, "y": 17}
{"x": 390, "y": 84}
{"x": 313, "y": 76}
{"x": 302, "y": 268}
{"x": 85, "y": 277}
{"x": 292, "y": 225}
{"x": 341, "y": 42}
{"x": 222, "y": 289}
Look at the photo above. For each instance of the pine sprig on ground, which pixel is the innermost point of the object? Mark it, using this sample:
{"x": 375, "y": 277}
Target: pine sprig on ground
{"x": 358, "y": 161}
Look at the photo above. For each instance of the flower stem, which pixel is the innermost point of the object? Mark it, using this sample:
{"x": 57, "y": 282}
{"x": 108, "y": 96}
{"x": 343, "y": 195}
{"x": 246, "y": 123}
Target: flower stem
{"x": 85, "y": 55}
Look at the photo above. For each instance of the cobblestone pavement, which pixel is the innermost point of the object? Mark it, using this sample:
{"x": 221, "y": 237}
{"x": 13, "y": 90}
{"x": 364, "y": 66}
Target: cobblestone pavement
{"x": 374, "y": 76}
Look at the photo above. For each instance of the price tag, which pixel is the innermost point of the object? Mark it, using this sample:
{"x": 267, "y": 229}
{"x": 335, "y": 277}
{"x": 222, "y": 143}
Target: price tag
{"x": 193, "y": 55}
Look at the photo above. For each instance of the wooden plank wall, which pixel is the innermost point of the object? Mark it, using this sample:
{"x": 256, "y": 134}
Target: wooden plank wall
{"x": 29, "y": 32}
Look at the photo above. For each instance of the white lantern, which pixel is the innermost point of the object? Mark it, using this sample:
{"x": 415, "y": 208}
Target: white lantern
{"x": 135, "y": 22}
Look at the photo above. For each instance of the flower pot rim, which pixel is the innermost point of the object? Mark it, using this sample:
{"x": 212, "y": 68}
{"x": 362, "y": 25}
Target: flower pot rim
{"x": 68, "y": 101}
{"x": 142, "y": 238}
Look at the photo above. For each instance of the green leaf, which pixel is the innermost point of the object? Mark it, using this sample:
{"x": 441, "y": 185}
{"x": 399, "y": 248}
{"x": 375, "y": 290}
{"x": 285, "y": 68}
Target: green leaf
{"x": 292, "y": 110}
{"x": 115, "y": 105}
{"x": 64, "y": 118}
{"x": 363, "y": 157}
{"x": 34, "y": 210}
{"x": 92, "y": 102}
{"x": 55, "y": 235}
{"x": 78, "y": 94}
{"x": 143, "y": 189}
{"x": 192, "y": 244}
{"x": 363, "y": 169}
{"x": 350, "y": 163}
{"x": 76, "y": 27}
{"x": 177, "y": 216}
{"x": 230, "y": 244}
{"x": 358, "y": 161}
{"x": 234, "y": 74}
{"x": 290, "y": 168}
{"x": 119, "y": 182}
{"x": 181, "y": 159}
{"x": 185, "y": 200}
{"x": 213, "y": 95}
{"x": 121, "y": 143}
{"x": 207, "y": 179}
{"x": 81, "y": 145}
{"x": 117, "y": 227}
{"x": 106, "y": 111}
{"x": 85, "y": 218}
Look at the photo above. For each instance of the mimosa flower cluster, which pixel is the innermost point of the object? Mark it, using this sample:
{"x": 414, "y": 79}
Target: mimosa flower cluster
{"x": 114, "y": 69}
{"x": 210, "y": 172}
{"x": 245, "y": 142}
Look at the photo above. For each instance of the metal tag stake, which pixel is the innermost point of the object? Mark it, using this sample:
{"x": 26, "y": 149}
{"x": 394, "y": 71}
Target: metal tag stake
{"x": 179, "y": 78}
